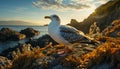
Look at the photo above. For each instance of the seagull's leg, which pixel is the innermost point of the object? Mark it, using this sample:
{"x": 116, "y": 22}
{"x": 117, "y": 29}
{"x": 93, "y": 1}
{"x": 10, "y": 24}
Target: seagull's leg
{"x": 65, "y": 51}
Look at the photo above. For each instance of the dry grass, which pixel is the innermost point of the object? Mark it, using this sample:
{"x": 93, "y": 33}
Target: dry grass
{"x": 109, "y": 52}
{"x": 25, "y": 60}
{"x": 114, "y": 27}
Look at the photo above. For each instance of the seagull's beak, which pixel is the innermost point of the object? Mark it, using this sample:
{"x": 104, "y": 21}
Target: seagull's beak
{"x": 47, "y": 17}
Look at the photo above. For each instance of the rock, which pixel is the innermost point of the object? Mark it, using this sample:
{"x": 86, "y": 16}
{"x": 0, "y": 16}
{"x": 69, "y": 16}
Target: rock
{"x": 61, "y": 67}
{"x": 30, "y": 32}
{"x": 11, "y": 53}
{"x": 4, "y": 62}
{"x": 44, "y": 63}
{"x": 58, "y": 67}
{"x": 74, "y": 23}
{"x": 9, "y": 34}
{"x": 113, "y": 30}
{"x": 42, "y": 41}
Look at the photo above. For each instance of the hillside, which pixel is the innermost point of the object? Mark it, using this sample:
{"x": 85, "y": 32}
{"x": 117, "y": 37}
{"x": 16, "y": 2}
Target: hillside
{"x": 15, "y": 23}
{"x": 103, "y": 16}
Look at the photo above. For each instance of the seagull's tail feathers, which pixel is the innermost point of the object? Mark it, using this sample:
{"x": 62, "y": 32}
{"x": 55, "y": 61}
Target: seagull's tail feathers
{"x": 89, "y": 40}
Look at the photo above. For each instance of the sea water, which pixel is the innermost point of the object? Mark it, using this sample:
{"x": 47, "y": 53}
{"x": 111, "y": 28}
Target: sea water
{"x": 9, "y": 44}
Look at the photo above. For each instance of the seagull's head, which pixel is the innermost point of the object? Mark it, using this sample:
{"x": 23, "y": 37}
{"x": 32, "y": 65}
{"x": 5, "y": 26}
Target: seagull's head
{"x": 53, "y": 17}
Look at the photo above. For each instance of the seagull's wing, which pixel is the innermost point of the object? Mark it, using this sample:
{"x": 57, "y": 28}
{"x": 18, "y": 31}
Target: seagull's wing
{"x": 71, "y": 34}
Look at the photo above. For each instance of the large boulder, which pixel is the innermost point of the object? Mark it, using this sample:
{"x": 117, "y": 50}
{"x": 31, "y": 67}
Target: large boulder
{"x": 9, "y": 34}
{"x": 30, "y": 32}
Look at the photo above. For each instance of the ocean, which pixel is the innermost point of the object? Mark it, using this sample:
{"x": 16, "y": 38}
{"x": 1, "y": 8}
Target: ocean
{"x": 9, "y": 44}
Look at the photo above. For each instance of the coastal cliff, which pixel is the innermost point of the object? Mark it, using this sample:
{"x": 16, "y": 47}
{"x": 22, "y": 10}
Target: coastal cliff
{"x": 103, "y": 16}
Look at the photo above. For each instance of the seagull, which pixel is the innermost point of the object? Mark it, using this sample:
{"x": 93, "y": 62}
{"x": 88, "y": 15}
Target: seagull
{"x": 64, "y": 34}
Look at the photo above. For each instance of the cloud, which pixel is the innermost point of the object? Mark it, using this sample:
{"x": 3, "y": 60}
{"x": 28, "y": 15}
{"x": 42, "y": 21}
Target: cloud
{"x": 61, "y": 4}
{"x": 67, "y": 4}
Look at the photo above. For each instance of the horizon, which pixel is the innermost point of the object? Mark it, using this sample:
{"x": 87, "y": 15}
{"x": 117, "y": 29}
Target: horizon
{"x": 33, "y": 11}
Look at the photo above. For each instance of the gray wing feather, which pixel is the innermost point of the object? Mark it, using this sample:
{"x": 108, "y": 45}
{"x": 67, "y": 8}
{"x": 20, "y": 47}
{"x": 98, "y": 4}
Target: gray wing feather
{"x": 68, "y": 29}
{"x": 71, "y": 34}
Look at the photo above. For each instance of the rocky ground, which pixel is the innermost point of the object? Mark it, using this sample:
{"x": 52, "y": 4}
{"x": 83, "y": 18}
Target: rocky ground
{"x": 79, "y": 56}
{"x": 45, "y": 53}
{"x": 27, "y": 57}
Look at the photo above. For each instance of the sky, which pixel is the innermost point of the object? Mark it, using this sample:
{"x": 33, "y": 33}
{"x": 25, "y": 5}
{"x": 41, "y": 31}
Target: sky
{"x": 35, "y": 10}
